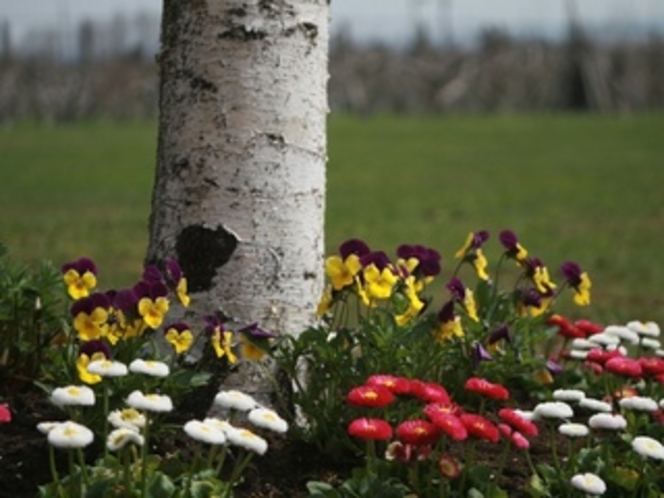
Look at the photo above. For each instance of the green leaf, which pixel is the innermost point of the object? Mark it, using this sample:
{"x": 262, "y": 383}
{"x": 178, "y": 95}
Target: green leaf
{"x": 624, "y": 477}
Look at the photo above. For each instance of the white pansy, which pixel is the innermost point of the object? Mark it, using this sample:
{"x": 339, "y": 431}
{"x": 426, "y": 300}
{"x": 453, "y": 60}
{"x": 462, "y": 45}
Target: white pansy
{"x": 127, "y": 418}
{"x": 648, "y": 447}
{"x": 202, "y": 431}
{"x": 149, "y": 367}
{"x": 107, "y": 368}
{"x": 589, "y": 483}
{"x": 70, "y": 435}
{"x": 150, "y": 402}
{"x": 580, "y": 343}
{"x": 553, "y": 409}
{"x": 650, "y": 329}
{"x": 578, "y": 354}
{"x": 236, "y": 400}
{"x": 573, "y": 429}
{"x": 622, "y": 332}
{"x": 604, "y": 339}
{"x": 595, "y": 405}
{"x": 73, "y": 396}
{"x": 639, "y": 403}
{"x": 246, "y": 439}
{"x": 607, "y": 421}
{"x": 568, "y": 395}
{"x": 650, "y": 343}
{"x": 267, "y": 419}
{"x": 119, "y": 438}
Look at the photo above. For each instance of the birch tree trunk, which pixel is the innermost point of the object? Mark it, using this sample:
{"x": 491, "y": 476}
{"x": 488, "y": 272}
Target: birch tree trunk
{"x": 238, "y": 197}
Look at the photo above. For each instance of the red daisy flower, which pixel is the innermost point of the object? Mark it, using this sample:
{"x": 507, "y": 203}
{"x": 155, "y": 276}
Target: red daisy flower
{"x": 565, "y": 327}
{"x": 627, "y": 367}
{"x": 429, "y": 392}
{"x": 417, "y": 432}
{"x": 519, "y": 441}
{"x": 398, "y": 385}
{"x": 370, "y": 396}
{"x": 522, "y": 425}
{"x": 450, "y": 425}
{"x": 449, "y": 466}
{"x": 370, "y": 428}
{"x": 451, "y": 408}
{"x": 486, "y": 388}
{"x": 600, "y": 356}
{"x": 588, "y": 327}
{"x": 652, "y": 365}
{"x": 505, "y": 429}
{"x": 5, "y": 413}
{"x": 480, "y": 427}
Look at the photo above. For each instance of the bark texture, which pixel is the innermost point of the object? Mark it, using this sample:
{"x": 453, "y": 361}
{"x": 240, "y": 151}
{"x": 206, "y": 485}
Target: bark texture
{"x": 240, "y": 180}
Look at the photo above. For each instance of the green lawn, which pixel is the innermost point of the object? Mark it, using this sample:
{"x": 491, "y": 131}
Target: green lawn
{"x": 583, "y": 188}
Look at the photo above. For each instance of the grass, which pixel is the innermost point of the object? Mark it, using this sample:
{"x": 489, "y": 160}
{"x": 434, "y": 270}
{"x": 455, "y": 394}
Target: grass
{"x": 573, "y": 187}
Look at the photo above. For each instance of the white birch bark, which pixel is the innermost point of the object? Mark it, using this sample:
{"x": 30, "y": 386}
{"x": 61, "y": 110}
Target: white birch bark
{"x": 239, "y": 190}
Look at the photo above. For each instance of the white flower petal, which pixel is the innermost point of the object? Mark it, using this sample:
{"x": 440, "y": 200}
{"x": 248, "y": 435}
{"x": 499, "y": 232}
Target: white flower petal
{"x": 650, "y": 329}
{"x": 553, "y": 409}
{"x": 595, "y": 405}
{"x": 150, "y": 402}
{"x": 107, "y": 368}
{"x": 207, "y": 433}
{"x": 639, "y": 403}
{"x": 149, "y": 367}
{"x": 568, "y": 395}
{"x": 573, "y": 430}
{"x": 267, "y": 419}
{"x": 70, "y": 435}
{"x": 608, "y": 421}
{"x": 236, "y": 400}
{"x": 119, "y": 438}
{"x": 589, "y": 483}
{"x": 648, "y": 447}
{"x": 73, "y": 396}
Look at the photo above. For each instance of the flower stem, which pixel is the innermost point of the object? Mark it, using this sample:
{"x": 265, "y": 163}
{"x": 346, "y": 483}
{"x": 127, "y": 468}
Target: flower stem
{"x": 54, "y": 471}
{"x": 144, "y": 456}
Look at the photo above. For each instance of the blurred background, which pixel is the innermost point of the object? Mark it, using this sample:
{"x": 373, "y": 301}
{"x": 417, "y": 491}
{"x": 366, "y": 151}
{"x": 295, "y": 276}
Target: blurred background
{"x": 448, "y": 116}
{"x": 61, "y": 57}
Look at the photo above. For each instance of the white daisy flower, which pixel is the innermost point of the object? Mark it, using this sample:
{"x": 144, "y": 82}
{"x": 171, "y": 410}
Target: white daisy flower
{"x": 648, "y": 447}
{"x": 45, "y": 427}
{"x": 604, "y": 339}
{"x": 595, "y": 405}
{"x": 589, "y": 483}
{"x": 580, "y": 343}
{"x": 207, "y": 433}
{"x": 127, "y": 418}
{"x": 639, "y": 403}
{"x": 222, "y": 425}
{"x": 70, "y": 435}
{"x": 526, "y": 414}
{"x": 107, "y": 368}
{"x": 649, "y": 343}
{"x": 609, "y": 421}
{"x": 578, "y": 354}
{"x": 149, "y": 367}
{"x": 622, "y": 332}
{"x": 246, "y": 439}
{"x": 659, "y": 353}
{"x": 267, "y": 419}
{"x": 119, "y": 438}
{"x": 73, "y": 396}
{"x": 650, "y": 329}
{"x": 573, "y": 430}
{"x": 149, "y": 402}
{"x": 553, "y": 409}
{"x": 236, "y": 400}
{"x": 568, "y": 395}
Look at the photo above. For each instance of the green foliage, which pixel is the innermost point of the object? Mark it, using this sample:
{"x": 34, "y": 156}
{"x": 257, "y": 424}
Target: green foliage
{"x": 32, "y": 318}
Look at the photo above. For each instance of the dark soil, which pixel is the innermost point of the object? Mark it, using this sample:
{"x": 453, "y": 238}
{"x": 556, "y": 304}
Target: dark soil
{"x": 282, "y": 472}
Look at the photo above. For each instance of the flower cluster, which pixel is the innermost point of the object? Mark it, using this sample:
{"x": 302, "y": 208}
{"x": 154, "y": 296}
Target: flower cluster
{"x": 131, "y": 430}
{"x": 434, "y": 424}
